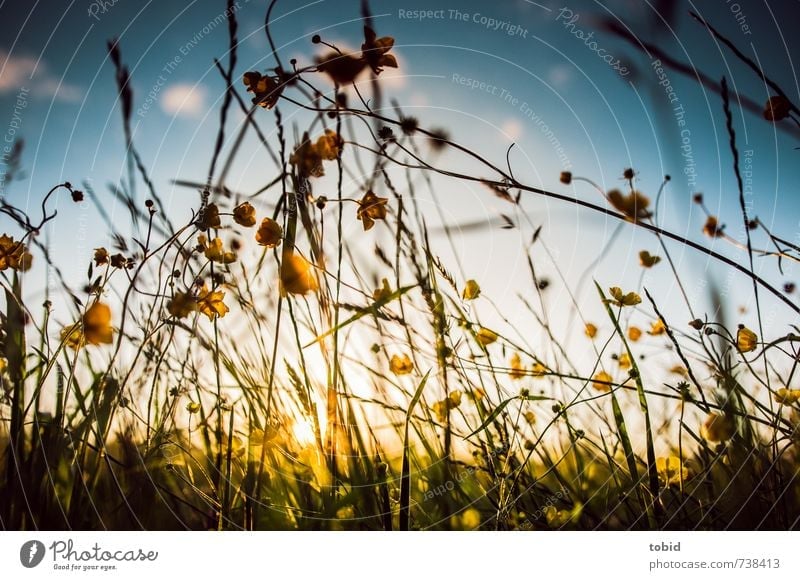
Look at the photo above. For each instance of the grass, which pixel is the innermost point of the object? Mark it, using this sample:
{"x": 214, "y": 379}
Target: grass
{"x": 206, "y": 376}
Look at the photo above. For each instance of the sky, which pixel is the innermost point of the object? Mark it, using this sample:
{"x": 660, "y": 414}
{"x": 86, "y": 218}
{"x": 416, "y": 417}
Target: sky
{"x": 547, "y": 77}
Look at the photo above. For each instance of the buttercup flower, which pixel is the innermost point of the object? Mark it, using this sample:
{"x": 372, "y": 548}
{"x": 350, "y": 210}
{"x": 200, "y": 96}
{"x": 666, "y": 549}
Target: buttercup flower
{"x": 245, "y": 215}
{"x": 712, "y": 228}
{"x": 671, "y": 470}
{"x": 182, "y": 304}
{"x": 777, "y": 108}
{"x": 375, "y": 51}
{"x": 657, "y": 328}
{"x": 517, "y": 368}
{"x": 329, "y": 145}
{"x": 471, "y": 290}
{"x": 307, "y": 159}
{"x": 94, "y": 328}
{"x": 647, "y": 260}
{"x": 100, "y": 256}
{"x": 620, "y": 299}
{"x": 718, "y": 427}
{"x": 601, "y": 381}
{"x": 13, "y": 255}
{"x": 634, "y": 205}
{"x": 382, "y": 293}
{"x": 746, "y": 339}
{"x": 214, "y": 251}
{"x": 590, "y": 330}
{"x": 786, "y": 396}
{"x": 297, "y": 275}
{"x": 401, "y": 364}
{"x": 634, "y": 333}
{"x": 371, "y": 208}
{"x": 485, "y": 337}
{"x": 265, "y": 89}
{"x": 269, "y": 233}
{"x": 209, "y": 217}
{"x": 210, "y": 303}
{"x": 342, "y": 68}
{"x": 443, "y": 407}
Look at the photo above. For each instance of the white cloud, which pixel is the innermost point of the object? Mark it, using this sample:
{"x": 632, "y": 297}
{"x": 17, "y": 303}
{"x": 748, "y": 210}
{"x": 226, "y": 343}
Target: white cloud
{"x": 184, "y": 100}
{"x": 25, "y": 71}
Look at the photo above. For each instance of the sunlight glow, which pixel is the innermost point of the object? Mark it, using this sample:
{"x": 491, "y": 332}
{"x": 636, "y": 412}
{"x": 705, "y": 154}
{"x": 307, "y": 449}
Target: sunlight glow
{"x": 303, "y": 430}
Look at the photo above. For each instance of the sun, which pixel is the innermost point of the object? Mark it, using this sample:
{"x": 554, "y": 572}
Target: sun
{"x": 303, "y": 430}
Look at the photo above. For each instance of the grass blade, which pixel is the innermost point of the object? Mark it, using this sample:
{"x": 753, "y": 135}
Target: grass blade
{"x": 405, "y": 481}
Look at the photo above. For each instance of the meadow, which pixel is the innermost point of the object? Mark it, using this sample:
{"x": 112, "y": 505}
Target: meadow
{"x": 257, "y": 366}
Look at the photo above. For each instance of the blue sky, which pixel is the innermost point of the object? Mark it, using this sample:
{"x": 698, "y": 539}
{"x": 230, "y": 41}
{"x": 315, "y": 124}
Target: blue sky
{"x": 493, "y": 74}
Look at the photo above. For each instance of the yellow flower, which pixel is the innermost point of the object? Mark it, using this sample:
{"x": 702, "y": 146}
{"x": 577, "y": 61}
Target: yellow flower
{"x": 297, "y": 275}
{"x": 214, "y": 251}
{"x": 209, "y": 217}
{"x": 306, "y": 159}
{"x": 440, "y": 410}
{"x": 712, "y": 228}
{"x": 382, "y": 293}
{"x": 100, "y": 256}
{"x": 476, "y": 394}
{"x": 471, "y": 290}
{"x": 624, "y": 361}
{"x": 269, "y": 233}
{"x": 633, "y": 206}
{"x": 94, "y": 328}
{"x": 329, "y": 145}
{"x": 590, "y": 330}
{"x": 777, "y": 108}
{"x": 657, "y": 328}
{"x": 210, "y": 303}
{"x": 620, "y": 299}
{"x": 265, "y": 89}
{"x": 539, "y": 370}
{"x": 469, "y": 519}
{"x": 97, "y": 324}
{"x": 182, "y": 304}
{"x": 634, "y": 333}
{"x": 647, "y": 260}
{"x": 718, "y": 427}
{"x": 14, "y": 255}
{"x": 557, "y": 518}
{"x": 443, "y": 407}
{"x": 375, "y": 51}
{"x": 530, "y": 417}
{"x": 342, "y": 68}
{"x": 193, "y": 407}
{"x": 787, "y": 396}
{"x": 401, "y": 365}
{"x": 371, "y": 208}
{"x": 517, "y": 368}
{"x": 601, "y": 381}
{"x": 671, "y": 471}
{"x": 485, "y": 337}
{"x": 746, "y": 339}
{"x": 245, "y": 215}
